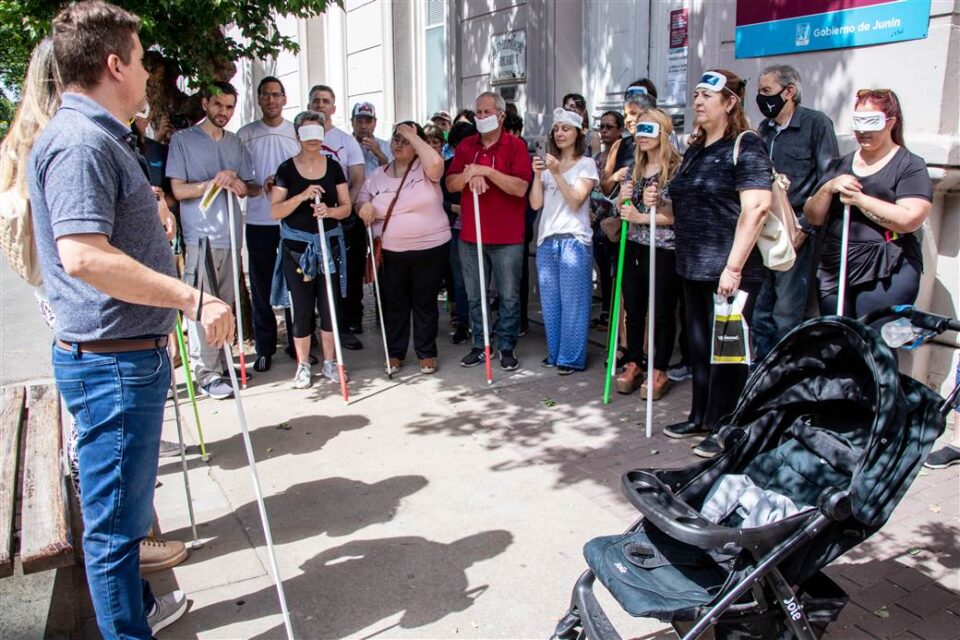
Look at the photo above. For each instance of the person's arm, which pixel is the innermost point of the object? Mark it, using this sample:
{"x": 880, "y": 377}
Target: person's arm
{"x": 754, "y": 204}
{"x": 511, "y": 185}
{"x": 457, "y": 181}
{"x": 575, "y": 194}
{"x": 906, "y": 215}
{"x": 342, "y": 210}
{"x": 536, "y": 187}
{"x": 227, "y": 179}
{"x": 91, "y": 258}
{"x": 818, "y": 205}
{"x": 611, "y": 176}
{"x": 281, "y": 206}
{"x": 430, "y": 160}
{"x": 355, "y": 176}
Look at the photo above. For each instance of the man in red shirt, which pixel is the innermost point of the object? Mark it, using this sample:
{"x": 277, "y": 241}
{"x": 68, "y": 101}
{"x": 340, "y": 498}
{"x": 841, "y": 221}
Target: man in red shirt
{"x": 496, "y": 166}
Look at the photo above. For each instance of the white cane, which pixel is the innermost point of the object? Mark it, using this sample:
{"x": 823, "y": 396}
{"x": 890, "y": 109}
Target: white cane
{"x": 483, "y": 287}
{"x": 844, "y": 246}
{"x": 325, "y": 251}
{"x": 271, "y": 553}
{"x": 651, "y": 306}
{"x": 237, "y": 274}
{"x": 195, "y": 544}
{"x": 376, "y": 295}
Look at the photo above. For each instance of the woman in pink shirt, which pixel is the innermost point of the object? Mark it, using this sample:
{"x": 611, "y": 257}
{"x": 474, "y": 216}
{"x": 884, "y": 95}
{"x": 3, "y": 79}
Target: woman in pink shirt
{"x": 403, "y": 202}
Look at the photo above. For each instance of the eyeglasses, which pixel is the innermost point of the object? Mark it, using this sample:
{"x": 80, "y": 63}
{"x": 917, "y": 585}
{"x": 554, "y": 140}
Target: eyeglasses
{"x": 275, "y": 95}
{"x": 604, "y": 127}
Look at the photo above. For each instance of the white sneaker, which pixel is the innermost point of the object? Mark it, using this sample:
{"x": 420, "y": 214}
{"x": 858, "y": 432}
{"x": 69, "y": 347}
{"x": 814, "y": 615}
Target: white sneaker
{"x": 169, "y": 449}
{"x": 167, "y": 609}
{"x": 332, "y": 373}
{"x": 303, "y": 378}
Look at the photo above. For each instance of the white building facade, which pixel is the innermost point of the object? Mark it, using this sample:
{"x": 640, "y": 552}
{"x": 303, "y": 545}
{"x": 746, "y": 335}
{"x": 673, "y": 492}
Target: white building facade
{"x": 411, "y": 58}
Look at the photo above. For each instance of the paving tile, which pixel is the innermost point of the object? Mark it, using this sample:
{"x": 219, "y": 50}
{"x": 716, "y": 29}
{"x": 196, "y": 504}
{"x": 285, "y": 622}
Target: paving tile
{"x": 929, "y": 599}
{"x": 909, "y": 578}
{"x": 942, "y": 625}
{"x": 897, "y": 620}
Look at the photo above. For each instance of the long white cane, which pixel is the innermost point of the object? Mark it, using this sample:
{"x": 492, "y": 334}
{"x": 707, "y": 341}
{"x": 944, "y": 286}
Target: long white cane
{"x": 376, "y": 294}
{"x": 271, "y": 552}
{"x": 844, "y": 246}
{"x": 195, "y": 544}
{"x": 483, "y": 287}
{"x": 651, "y": 309}
{"x": 325, "y": 251}
{"x": 237, "y": 274}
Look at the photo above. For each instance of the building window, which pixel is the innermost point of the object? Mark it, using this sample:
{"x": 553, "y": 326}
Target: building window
{"x": 435, "y": 56}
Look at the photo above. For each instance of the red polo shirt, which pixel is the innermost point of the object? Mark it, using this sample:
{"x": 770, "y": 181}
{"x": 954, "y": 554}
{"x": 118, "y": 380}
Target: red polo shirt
{"x": 501, "y": 215}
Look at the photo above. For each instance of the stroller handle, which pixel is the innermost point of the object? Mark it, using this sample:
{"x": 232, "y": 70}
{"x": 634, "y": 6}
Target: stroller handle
{"x": 921, "y": 319}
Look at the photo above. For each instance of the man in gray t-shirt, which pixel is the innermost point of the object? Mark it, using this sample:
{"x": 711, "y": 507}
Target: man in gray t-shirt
{"x": 107, "y": 269}
{"x": 202, "y": 157}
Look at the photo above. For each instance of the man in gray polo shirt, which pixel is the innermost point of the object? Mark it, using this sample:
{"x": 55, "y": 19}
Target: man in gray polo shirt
{"x": 108, "y": 272}
{"x": 201, "y": 156}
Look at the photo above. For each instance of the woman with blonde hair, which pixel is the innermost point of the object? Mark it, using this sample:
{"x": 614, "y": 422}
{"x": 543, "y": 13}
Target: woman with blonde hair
{"x": 40, "y": 99}
{"x": 719, "y": 205}
{"x": 655, "y": 163}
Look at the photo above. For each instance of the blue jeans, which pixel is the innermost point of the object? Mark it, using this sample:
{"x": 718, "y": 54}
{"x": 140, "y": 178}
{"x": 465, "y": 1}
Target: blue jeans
{"x": 117, "y": 402}
{"x": 565, "y": 273}
{"x": 781, "y": 302}
{"x": 459, "y": 288}
{"x": 505, "y": 261}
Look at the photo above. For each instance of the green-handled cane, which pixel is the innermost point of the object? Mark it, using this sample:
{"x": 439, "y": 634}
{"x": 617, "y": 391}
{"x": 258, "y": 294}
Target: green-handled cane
{"x": 185, "y": 357}
{"x": 615, "y": 315}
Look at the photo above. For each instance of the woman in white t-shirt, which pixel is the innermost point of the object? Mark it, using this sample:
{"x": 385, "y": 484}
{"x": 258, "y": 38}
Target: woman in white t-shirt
{"x": 562, "y": 182}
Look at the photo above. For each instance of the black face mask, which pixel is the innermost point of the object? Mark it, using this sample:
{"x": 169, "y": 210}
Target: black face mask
{"x": 771, "y": 106}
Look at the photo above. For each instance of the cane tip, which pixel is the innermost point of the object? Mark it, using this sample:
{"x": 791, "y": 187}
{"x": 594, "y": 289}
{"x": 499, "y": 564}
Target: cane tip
{"x": 193, "y": 546}
{"x": 205, "y": 457}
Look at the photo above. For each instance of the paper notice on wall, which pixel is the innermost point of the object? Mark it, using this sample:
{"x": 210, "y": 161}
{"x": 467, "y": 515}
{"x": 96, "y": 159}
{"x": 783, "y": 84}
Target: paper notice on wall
{"x": 676, "y": 77}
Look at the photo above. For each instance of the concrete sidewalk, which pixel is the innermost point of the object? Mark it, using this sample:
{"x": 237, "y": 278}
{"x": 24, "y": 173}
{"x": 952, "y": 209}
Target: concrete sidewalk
{"x": 438, "y": 507}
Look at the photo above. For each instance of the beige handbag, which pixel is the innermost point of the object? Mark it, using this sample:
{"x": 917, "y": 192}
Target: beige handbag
{"x": 17, "y": 236}
{"x": 780, "y": 227}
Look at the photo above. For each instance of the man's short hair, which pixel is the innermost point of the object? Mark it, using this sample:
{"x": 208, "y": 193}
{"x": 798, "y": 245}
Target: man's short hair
{"x": 85, "y": 33}
{"x": 617, "y": 117}
{"x": 501, "y": 103}
{"x": 267, "y": 81}
{"x": 321, "y": 87}
{"x": 786, "y": 75}
{"x": 219, "y": 87}
{"x": 513, "y": 124}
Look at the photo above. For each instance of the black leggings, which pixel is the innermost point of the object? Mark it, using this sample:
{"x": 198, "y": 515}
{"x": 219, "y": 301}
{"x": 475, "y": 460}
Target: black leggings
{"x": 307, "y": 298}
{"x": 900, "y": 287}
{"x": 716, "y": 387}
{"x": 409, "y": 283}
{"x": 636, "y": 277}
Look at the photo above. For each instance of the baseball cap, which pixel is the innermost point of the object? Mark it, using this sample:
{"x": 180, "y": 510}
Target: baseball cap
{"x": 364, "y": 109}
{"x": 443, "y": 115}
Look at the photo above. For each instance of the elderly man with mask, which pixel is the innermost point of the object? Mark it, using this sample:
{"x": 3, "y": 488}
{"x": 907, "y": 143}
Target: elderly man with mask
{"x": 496, "y": 166}
{"x": 801, "y": 143}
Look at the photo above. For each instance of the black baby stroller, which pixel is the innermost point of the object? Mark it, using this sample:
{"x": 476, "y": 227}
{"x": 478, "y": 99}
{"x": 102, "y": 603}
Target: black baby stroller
{"x": 824, "y": 442}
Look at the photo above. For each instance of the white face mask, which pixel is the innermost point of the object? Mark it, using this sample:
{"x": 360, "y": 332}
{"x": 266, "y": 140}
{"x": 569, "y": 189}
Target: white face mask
{"x": 488, "y": 124}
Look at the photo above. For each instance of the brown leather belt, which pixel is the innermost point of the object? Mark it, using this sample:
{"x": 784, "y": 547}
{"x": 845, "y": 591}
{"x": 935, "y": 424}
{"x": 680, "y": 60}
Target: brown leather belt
{"x": 116, "y": 346}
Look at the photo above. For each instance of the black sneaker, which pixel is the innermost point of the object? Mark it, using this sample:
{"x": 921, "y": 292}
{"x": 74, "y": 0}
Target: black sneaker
{"x": 475, "y": 357}
{"x": 461, "y": 335}
{"x": 350, "y": 341}
{"x": 546, "y": 363}
{"x": 709, "y": 448}
{"x": 943, "y": 458}
{"x": 262, "y": 363}
{"x": 685, "y": 429}
{"x": 508, "y": 361}
{"x": 564, "y": 370}
{"x": 355, "y": 327}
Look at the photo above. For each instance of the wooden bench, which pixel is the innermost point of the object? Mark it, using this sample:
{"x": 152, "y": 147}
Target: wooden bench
{"x": 39, "y": 516}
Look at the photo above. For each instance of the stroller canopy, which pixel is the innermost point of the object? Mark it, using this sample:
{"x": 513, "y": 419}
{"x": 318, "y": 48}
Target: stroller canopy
{"x": 839, "y": 372}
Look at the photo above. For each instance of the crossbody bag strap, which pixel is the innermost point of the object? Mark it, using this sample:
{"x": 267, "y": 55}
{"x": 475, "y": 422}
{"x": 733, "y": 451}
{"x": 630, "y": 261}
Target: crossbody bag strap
{"x": 396, "y": 197}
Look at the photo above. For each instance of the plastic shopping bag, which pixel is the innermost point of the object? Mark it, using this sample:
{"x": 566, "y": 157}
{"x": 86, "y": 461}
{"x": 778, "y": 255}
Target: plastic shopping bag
{"x": 731, "y": 336}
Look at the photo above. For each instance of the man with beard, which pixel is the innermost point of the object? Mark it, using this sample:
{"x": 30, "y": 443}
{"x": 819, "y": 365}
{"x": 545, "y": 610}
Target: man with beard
{"x": 203, "y": 157}
{"x": 268, "y": 141}
{"x": 376, "y": 152}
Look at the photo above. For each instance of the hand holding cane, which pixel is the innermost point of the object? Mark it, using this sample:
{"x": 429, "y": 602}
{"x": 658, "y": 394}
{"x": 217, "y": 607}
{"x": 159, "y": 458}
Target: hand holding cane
{"x": 844, "y": 247}
{"x": 325, "y": 256}
{"x": 483, "y": 287}
{"x": 237, "y": 274}
{"x": 376, "y": 294}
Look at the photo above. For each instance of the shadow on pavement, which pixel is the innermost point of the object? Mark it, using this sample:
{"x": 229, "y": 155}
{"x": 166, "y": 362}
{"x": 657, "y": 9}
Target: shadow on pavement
{"x": 335, "y": 506}
{"x": 353, "y": 586}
